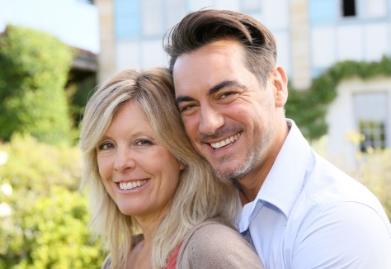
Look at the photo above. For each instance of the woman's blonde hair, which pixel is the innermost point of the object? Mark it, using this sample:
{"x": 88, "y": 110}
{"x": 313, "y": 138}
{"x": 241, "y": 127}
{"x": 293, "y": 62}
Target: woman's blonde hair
{"x": 199, "y": 195}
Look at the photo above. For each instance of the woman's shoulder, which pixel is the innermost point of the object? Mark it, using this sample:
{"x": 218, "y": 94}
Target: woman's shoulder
{"x": 212, "y": 233}
{"x": 212, "y": 244}
{"x": 213, "y": 227}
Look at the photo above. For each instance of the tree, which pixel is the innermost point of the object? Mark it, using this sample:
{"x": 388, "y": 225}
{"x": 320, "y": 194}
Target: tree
{"x": 34, "y": 67}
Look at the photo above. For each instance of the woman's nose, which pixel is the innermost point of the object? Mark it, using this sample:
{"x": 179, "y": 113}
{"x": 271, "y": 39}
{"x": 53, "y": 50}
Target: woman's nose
{"x": 124, "y": 160}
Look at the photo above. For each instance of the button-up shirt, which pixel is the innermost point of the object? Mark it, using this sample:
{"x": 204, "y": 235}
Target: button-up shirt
{"x": 309, "y": 214}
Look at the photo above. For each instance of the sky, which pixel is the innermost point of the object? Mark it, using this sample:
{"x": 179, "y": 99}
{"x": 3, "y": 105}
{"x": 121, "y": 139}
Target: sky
{"x": 74, "y": 22}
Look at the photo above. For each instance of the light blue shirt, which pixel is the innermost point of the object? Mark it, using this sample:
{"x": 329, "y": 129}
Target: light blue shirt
{"x": 309, "y": 214}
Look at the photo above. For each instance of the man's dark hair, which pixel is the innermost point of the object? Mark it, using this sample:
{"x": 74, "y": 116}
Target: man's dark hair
{"x": 205, "y": 26}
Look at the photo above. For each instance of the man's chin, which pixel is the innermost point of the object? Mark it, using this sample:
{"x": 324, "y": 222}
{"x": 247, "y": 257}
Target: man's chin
{"x": 231, "y": 172}
{"x": 226, "y": 174}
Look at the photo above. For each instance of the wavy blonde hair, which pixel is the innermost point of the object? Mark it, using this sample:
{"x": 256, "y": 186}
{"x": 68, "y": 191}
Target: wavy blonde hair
{"x": 199, "y": 196}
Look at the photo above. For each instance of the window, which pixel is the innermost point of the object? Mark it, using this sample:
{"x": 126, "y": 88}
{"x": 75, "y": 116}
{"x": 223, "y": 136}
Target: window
{"x": 374, "y": 135}
{"x": 323, "y": 10}
{"x": 250, "y": 5}
{"x": 86, "y": 1}
{"x": 371, "y": 113}
{"x": 174, "y": 11}
{"x": 147, "y": 18}
{"x": 127, "y": 18}
{"x": 376, "y": 8}
{"x": 152, "y": 17}
{"x": 348, "y": 8}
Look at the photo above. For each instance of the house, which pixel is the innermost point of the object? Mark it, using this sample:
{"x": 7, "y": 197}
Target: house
{"x": 312, "y": 35}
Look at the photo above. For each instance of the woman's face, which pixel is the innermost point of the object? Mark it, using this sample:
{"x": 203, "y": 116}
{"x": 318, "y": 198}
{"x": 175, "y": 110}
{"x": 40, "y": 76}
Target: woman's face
{"x": 138, "y": 172}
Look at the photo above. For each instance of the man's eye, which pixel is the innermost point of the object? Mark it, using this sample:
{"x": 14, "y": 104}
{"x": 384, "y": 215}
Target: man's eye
{"x": 226, "y": 94}
{"x": 187, "y": 107}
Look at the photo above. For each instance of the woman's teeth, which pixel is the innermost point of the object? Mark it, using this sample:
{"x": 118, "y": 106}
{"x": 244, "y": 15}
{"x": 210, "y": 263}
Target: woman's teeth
{"x": 131, "y": 185}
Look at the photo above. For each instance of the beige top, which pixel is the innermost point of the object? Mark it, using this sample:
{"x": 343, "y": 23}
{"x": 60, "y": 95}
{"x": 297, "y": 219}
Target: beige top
{"x": 212, "y": 244}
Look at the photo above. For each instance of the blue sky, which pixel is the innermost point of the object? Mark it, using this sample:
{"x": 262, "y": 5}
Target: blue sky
{"x": 74, "y": 22}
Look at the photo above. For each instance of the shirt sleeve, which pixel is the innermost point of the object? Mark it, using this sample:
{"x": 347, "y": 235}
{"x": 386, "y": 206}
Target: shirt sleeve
{"x": 218, "y": 246}
{"x": 350, "y": 235}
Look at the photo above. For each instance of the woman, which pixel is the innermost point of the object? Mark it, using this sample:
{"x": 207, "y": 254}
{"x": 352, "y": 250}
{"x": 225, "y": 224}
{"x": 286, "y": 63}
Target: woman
{"x": 144, "y": 176}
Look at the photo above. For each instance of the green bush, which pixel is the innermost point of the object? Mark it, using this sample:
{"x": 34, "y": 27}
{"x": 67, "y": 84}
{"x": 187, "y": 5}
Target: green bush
{"x": 34, "y": 68}
{"x": 374, "y": 171}
{"x": 308, "y": 107}
{"x": 78, "y": 93}
{"x": 44, "y": 219}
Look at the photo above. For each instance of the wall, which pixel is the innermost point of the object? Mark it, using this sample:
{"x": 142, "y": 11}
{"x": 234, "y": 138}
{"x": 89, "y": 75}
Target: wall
{"x": 342, "y": 118}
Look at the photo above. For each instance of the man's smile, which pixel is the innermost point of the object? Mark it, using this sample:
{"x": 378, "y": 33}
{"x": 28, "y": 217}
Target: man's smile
{"x": 225, "y": 142}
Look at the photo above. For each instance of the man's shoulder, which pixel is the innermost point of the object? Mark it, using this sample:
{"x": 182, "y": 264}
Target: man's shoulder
{"x": 328, "y": 192}
{"x": 333, "y": 211}
{"x": 327, "y": 186}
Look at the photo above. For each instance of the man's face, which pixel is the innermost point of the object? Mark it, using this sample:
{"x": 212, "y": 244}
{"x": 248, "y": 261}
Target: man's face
{"x": 229, "y": 117}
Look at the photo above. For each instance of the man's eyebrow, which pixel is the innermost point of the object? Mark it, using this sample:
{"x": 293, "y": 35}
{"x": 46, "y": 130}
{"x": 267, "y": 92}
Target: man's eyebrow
{"x": 225, "y": 84}
{"x": 214, "y": 89}
{"x": 185, "y": 98}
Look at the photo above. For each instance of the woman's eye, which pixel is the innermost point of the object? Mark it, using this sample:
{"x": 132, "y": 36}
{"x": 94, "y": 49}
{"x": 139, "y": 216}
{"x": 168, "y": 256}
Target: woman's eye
{"x": 143, "y": 142}
{"x": 106, "y": 146}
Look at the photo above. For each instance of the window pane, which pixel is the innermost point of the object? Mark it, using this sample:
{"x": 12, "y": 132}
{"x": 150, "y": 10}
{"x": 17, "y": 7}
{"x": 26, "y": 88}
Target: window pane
{"x": 250, "y": 5}
{"x": 348, "y": 8}
{"x": 374, "y": 135}
{"x": 152, "y": 17}
{"x": 127, "y": 18}
{"x": 322, "y": 10}
{"x": 371, "y": 112}
{"x": 175, "y": 11}
{"x": 375, "y": 8}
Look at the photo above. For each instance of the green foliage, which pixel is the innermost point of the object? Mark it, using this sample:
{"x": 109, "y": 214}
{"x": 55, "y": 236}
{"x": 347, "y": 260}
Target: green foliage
{"x": 308, "y": 107}
{"x": 34, "y": 68}
{"x": 47, "y": 224}
{"x": 78, "y": 93}
{"x": 374, "y": 171}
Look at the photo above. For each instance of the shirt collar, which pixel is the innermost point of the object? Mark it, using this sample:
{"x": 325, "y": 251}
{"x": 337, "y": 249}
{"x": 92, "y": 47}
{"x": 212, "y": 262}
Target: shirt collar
{"x": 285, "y": 180}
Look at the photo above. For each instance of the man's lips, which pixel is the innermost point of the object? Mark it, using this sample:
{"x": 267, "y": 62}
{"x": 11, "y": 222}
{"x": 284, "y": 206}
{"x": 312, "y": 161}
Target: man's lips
{"x": 225, "y": 142}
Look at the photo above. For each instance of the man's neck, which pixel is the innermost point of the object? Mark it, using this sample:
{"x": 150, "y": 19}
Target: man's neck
{"x": 253, "y": 181}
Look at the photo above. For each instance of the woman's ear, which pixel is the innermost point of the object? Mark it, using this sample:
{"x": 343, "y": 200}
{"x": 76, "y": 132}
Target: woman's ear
{"x": 280, "y": 82}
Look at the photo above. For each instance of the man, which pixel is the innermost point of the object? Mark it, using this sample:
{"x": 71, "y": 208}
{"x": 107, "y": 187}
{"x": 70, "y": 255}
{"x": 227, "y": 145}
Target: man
{"x": 300, "y": 211}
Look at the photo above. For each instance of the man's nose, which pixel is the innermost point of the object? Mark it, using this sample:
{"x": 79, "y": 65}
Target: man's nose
{"x": 211, "y": 120}
{"x": 124, "y": 160}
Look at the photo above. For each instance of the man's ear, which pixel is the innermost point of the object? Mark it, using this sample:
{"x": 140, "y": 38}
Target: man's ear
{"x": 280, "y": 82}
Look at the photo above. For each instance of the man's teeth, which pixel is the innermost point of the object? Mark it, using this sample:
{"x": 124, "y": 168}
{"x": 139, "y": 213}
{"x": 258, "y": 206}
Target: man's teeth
{"x": 225, "y": 142}
{"x": 131, "y": 185}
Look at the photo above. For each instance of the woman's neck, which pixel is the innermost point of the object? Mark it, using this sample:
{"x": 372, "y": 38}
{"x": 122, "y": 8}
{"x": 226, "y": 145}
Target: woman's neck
{"x": 140, "y": 256}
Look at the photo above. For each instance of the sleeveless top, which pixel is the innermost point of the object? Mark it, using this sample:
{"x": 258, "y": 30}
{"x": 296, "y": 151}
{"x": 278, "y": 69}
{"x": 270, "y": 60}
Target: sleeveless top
{"x": 171, "y": 262}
